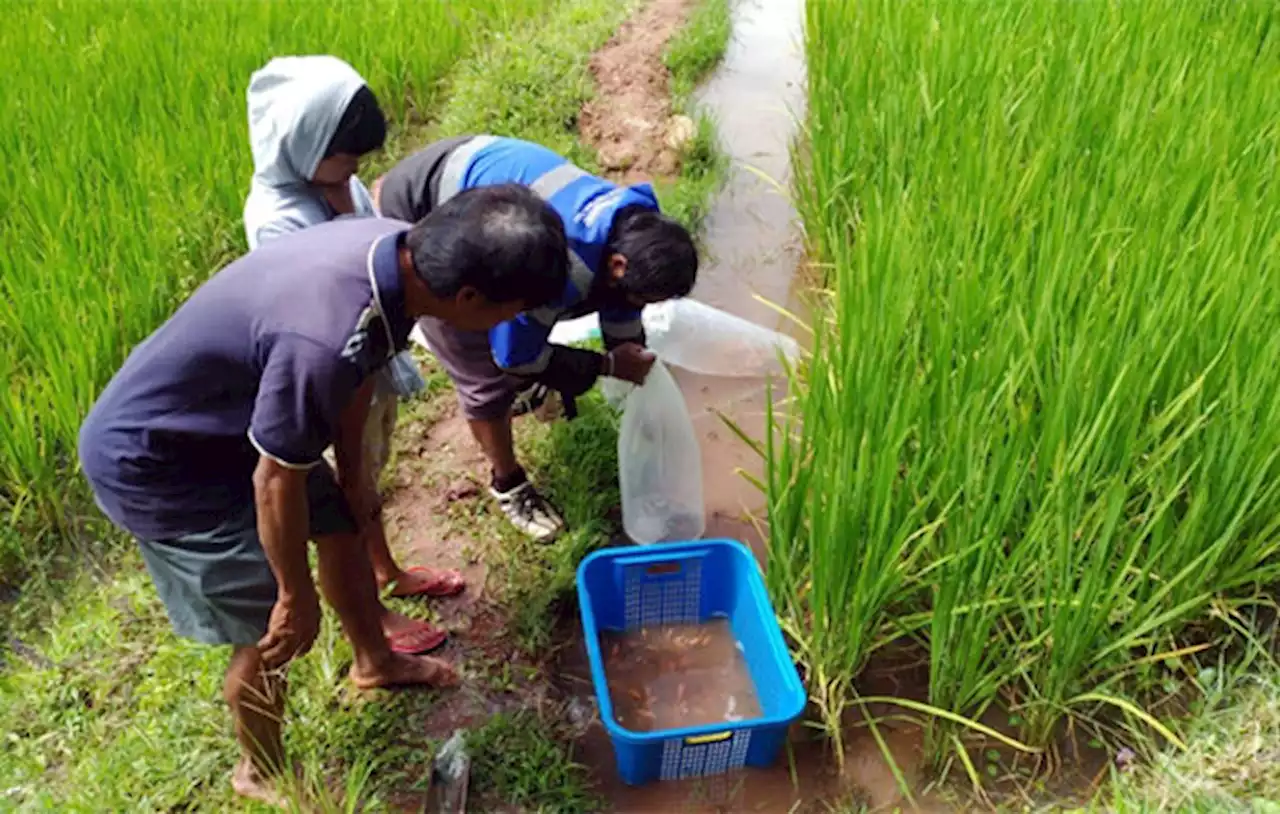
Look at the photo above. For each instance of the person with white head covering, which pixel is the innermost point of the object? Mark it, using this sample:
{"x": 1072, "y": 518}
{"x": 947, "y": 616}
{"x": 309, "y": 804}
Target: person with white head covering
{"x": 311, "y": 120}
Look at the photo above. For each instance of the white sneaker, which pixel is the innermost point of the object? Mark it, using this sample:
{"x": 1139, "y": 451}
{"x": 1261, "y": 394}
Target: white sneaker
{"x": 530, "y": 512}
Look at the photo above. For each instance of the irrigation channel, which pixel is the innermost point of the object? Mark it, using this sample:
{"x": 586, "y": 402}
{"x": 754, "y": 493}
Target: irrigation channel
{"x": 753, "y": 248}
{"x": 752, "y": 238}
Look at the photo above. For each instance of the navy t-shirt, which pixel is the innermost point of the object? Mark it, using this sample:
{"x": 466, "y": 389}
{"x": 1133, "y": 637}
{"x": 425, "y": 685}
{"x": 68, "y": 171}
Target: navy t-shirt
{"x": 262, "y": 359}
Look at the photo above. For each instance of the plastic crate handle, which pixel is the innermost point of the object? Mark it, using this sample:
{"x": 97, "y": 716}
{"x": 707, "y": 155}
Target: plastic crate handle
{"x": 659, "y": 565}
{"x": 715, "y": 737}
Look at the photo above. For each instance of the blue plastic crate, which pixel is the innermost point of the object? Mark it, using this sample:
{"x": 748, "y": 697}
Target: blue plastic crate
{"x": 625, "y": 589}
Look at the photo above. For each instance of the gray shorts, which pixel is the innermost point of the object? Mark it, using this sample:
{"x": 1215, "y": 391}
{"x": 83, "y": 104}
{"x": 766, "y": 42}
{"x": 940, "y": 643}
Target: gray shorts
{"x": 485, "y": 392}
{"x": 216, "y": 585}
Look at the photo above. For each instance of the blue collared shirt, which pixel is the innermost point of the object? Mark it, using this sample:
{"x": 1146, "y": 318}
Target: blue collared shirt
{"x": 587, "y": 206}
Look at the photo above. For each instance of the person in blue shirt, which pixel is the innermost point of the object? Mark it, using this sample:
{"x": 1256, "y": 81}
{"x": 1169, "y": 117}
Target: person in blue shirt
{"x": 624, "y": 253}
{"x": 207, "y": 446}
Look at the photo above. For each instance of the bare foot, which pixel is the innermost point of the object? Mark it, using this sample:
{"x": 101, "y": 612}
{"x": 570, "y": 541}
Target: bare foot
{"x": 401, "y": 671}
{"x": 277, "y": 792}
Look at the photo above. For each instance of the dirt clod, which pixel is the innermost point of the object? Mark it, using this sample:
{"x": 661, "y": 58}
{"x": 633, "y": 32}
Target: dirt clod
{"x": 680, "y": 131}
{"x": 461, "y": 489}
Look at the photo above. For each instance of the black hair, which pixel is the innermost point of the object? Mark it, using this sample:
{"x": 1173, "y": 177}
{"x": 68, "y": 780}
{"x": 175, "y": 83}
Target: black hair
{"x": 362, "y": 128}
{"x": 502, "y": 240}
{"x": 662, "y": 262}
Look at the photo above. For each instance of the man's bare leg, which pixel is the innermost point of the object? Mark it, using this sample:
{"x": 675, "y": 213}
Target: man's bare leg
{"x": 256, "y": 698}
{"x": 495, "y": 440}
{"x": 429, "y": 581}
{"x": 347, "y": 582}
{"x": 385, "y": 569}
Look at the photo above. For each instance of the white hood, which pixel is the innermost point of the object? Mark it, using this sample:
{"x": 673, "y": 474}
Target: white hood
{"x": 295, "y": 105}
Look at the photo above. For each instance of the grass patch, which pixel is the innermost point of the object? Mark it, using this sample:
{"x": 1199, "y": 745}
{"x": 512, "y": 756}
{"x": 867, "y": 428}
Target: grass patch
{"x": 689, "y": 197}
{"x": 517, "y": 759}
{"x": 1232, "y": 763}
{"x": 106, "y": 687}
{"x": 578, "y": 461}
{"x": 1041, "y": 418}
{"x": 697, "y": 49}
{"x": 115, "y": 713}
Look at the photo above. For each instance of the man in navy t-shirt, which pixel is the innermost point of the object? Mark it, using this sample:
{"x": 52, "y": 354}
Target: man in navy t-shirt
{"x": 207, "y": 445}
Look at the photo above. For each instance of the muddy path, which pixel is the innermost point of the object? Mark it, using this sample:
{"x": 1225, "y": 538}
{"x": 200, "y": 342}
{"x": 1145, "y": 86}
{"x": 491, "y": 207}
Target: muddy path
{"x": 630, "y": 122}
{"x": 752, "y": 249}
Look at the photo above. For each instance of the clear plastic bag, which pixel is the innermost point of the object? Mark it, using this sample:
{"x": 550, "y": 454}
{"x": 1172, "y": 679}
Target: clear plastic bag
{"x": 699, "y": 338}
{"x": 615, "y": 391}
{"x": 573, "y": 331}
{"x": 702, "y": 339}
{"x": 659, "y": 463}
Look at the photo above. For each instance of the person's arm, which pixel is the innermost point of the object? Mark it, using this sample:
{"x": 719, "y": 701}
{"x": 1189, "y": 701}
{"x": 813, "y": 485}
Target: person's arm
{"x": 520, "y": 348}
{"x": 341, "y": 201}
{"x": 623, "y": 334}
{"x": 404, "y": 192}
{"x": 301, "y": 392}
{"x": 302, "y": 215}
{"x": 280, "y": 494}
{"x": 362, "y": 202}
{"x": 619, "y": 326}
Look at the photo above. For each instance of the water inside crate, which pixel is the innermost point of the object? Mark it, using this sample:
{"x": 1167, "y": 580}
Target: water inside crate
{"x": 673, "y": 676}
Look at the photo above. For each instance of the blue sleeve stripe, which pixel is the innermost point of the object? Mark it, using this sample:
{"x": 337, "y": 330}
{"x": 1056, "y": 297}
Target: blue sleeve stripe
{"x": 453, "y": 176}
{"x": 537, "y": 365}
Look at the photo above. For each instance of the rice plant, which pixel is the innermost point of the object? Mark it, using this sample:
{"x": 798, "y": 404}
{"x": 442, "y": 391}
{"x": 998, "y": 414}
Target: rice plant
{"x": 1041, "y": 423}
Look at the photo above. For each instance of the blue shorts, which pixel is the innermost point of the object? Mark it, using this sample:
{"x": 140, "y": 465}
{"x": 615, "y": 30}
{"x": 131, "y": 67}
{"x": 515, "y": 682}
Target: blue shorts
{"x": 216, "y": 585}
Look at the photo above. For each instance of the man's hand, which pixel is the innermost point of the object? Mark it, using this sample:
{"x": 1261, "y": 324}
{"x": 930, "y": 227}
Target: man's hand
{"x": 629, "y": 362}
{"x": 280, "y": 494}
{"x": 295, "y": 622}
